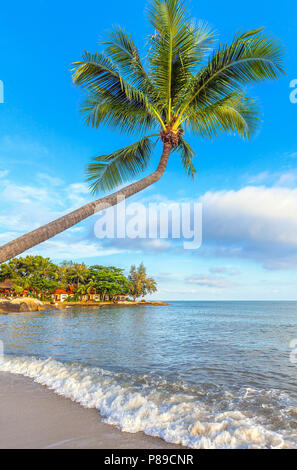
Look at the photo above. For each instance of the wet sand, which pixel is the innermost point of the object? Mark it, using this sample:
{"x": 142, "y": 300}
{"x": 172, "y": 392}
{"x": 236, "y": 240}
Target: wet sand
{"x": 33, "y": 417}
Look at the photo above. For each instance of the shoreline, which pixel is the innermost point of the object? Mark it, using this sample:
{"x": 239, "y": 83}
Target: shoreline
{"x": 30, "y": 304}
{"x": 34, "y": 417}
{"x": 109, "y": 304}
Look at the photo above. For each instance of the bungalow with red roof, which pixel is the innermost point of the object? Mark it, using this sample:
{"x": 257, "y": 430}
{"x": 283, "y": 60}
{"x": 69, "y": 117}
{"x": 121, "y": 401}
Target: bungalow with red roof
{"x": 60, "y": 295}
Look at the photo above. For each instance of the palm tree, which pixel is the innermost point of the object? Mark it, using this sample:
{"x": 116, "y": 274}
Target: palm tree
{"x": 79, "y": 273}
{"x": 183, "y": 86}
{"x": 140, "y": 283}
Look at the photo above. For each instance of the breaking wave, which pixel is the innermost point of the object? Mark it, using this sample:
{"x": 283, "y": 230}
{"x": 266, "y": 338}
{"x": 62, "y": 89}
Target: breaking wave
{"x": 199, "y": 417}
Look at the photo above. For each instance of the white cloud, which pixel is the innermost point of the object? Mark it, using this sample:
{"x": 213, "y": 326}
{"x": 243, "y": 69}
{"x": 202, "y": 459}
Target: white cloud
{"x": 218, "y": 269}
{"x": 28, "y": 207}
{"x": 209, "y": 281}
{"x": 138, "y": 245}
{"x": 23, "y": 194}
{"x": 259, "y": 178}
{"x": 224, "y": 270}
{"x": 285, "y": 179}
{"x": 7, "y": 236}
{"x": 252, "y": 213}
{"x": 3, "y": 173}
{"x": 71, "y": 249}
{"x": 79, "y": 188}
{"x": 51, "y": 180}
{"x": 78, "y": 194}
{"x": 254, "y": 222}
{"x": 20, "y": 145}
{"x": 233, "y": 272}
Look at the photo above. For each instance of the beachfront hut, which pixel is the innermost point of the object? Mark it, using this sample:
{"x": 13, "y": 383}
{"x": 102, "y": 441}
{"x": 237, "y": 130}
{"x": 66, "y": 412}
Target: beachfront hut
{"x": 60, "y": 295}
{"x": 7, "y": 288}
{"x": 90, "y": 296}
{"x": 93, "y": 296}
{"x": 121, "y": 297}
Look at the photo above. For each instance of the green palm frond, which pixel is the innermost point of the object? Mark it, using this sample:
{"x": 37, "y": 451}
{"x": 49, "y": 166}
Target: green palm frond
{"x": 102, "y": 107}
{"x": 252, "y": 57}
{"x": 234, "y": 113}
{"x": 198, "y": 40}
{"x": 100, "y": 76}
{"x": 186, "y": 154}
{"x": 177, "y": 47}
{"x": 108, "y": 171}
{"x": 96, "y": 70}
{"x": 122, "y": 50}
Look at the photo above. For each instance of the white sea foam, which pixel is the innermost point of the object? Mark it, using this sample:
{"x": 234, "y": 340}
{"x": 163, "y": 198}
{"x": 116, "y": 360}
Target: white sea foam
{"x": 170, "y": 412}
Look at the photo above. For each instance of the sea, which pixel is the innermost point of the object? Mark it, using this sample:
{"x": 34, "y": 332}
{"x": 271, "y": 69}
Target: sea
{"x": 201, "y": 374}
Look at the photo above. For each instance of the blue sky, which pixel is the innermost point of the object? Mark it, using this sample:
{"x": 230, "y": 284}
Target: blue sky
{"x": 248, "y": 189}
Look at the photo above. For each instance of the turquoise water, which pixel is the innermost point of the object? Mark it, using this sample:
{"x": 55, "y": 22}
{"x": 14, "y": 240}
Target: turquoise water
{"x": 203, "y": 374}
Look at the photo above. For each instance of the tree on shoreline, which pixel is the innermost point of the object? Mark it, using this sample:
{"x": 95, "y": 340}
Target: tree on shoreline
{"x": 78, "y": 273}
{"x": 109, "y": 281}
{"x": 181, "y": 86}
{"x": 40, "y": 277}
{"x": 140, "y": 283}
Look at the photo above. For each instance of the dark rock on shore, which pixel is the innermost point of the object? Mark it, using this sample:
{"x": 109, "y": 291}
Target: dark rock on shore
{"x": 20, "y": 305}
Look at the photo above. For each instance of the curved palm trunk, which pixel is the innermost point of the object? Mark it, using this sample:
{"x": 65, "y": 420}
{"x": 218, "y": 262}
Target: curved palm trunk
{"x": 23, "y": 243}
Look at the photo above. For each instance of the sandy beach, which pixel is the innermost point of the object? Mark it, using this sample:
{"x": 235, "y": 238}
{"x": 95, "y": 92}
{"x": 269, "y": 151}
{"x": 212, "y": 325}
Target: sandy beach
{"x": 31, "y": 416}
